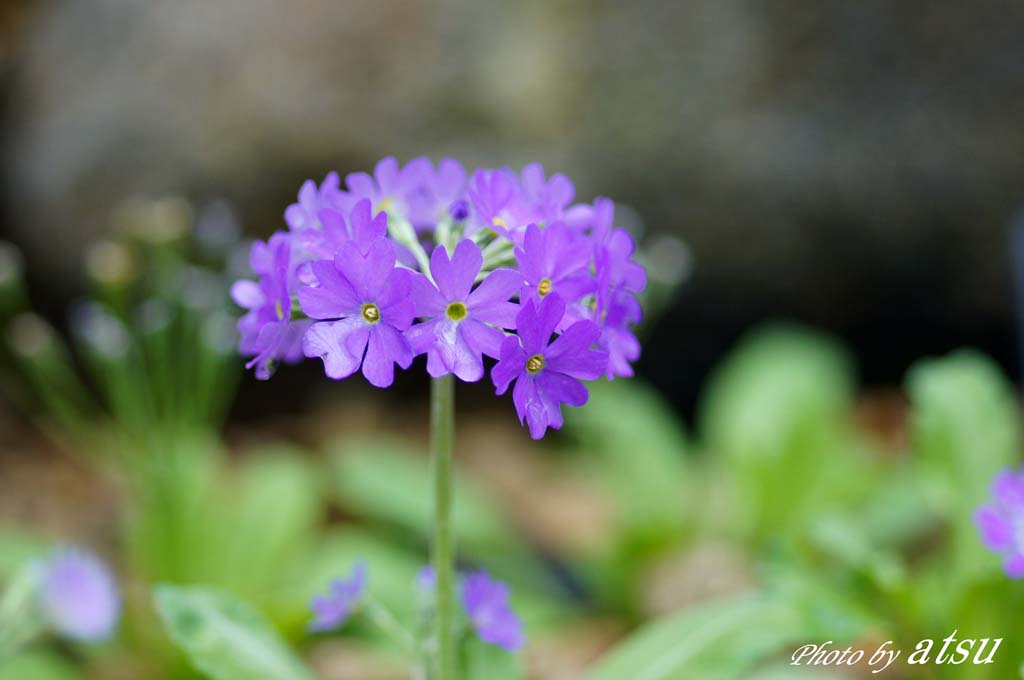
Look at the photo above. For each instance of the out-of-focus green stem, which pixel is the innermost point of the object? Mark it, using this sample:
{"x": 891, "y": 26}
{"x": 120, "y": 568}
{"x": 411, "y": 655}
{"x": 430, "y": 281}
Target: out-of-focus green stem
{"x": 442, "y": 425}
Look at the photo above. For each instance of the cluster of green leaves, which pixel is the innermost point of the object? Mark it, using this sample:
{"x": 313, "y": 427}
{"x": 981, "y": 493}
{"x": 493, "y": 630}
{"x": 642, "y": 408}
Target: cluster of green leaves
{"x": 851, "y": 537}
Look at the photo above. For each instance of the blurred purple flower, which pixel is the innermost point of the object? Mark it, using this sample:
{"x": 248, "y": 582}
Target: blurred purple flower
{"x": 392, "y": 188}
{"x": 332, "y": 610}
{"x": 494, "y": 195}
{"x": 486, "y": 602}
{"x": 547, "y": 199}
{"x": 78, "y": 596}
{"x": 1001, "y": 522}
{"x": 548, "y": 375}
{"x": 305, "y": 214}
{"x": 440, "y": 193}
{"x": 463, "y": 324}
{"x": 363, "y": 305}
{"x": 267, "y": 332}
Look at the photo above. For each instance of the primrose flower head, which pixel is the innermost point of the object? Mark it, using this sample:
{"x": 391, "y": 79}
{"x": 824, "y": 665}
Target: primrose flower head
{"x": 1001, "y": 521}
{"x": 78, "y": 596}
{"x": 332, "y": 610}
{"x": 425, "y": 259}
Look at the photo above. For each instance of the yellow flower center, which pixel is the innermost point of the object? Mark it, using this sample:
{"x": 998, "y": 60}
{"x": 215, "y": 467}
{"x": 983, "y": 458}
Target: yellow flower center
{"x": 544, "y": 287}
{"x": 456, "y": 311}
{"x": 280, "y": 310}
{"x": 498, "y": 222}
{"x": 371, "y": 312}
{"x": 534, "y": 364}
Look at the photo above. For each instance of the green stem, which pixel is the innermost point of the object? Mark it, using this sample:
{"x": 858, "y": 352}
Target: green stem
{"x": 442, "y": 425}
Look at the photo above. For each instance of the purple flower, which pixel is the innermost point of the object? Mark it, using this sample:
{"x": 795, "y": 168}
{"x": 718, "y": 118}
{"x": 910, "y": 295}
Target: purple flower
{"x": 496, "y": 202}
{"x": 312, "y": 199}
{"x": 363, "y": 306}
{"x": 362, "y": 227}
{"x": 616, "y": 247}
{"x": 332, "y": 610}
{"x": 554, "y": 259}
{"x": 547, "y": 198}
{"x": 78, "y": 596}
{"x": 463, "y": 324}
{"x": 441, "y": 193}
{"x": 486, "y": 602}
{"x": 616, "y": 310}
{"x": 548, "y": 375}
{"x": 1001, "y": 522}
{"x": 392, "y": 188}
{"x": 267, "y": 332}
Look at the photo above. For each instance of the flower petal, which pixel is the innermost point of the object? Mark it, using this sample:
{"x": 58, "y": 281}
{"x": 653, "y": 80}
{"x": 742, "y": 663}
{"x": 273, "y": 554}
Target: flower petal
{"x": 511, "y": 364}
{"x": 995, "y": 529}
{"x": 489, "y": 302}
{"x": 247, "y": 294}
{"x": 455, "y": 276}
{"x": 339, "y": 343}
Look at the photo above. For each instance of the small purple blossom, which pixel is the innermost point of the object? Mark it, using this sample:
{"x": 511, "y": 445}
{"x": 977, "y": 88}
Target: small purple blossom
{"x": 362, "y": 227}
{"x": 332, "y": 610}
{"x": 463, "y": 324}
{"x": 459, "y": 210}
{"x": 267, "y": 332}
{"x": 363, "y": 308}
{"x": 548, "y": 374}
{"x": 486, "y": 602}
{"x": 312, "y": 199}
{"x": 78, "y": 596}
{"x": 1001, "y": 521}
{"x": 495, "y": 197}
{"x": 441, "y": 193}
{"x": 391, "y": 188}
{"x": 554, "y": 259}
{"x": 547, "y": 198}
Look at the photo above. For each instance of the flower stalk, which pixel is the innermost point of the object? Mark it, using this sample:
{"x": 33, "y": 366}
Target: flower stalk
{"x": 442, "y": 425}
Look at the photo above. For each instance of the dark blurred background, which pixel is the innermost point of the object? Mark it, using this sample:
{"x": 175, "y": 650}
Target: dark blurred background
{"x": 852, "y": 165}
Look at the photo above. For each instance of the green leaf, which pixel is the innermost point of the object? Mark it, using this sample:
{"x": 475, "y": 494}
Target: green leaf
{"x": 640, "y": 449}
{"x": 711, "y": 642}
{"x": 17, "y": 547}
{"x": 38, "y": 666}
{"x": 964, "y": 422}
{"x": 777, "y": 411}
{"x": 270, "y": 519}
{"x": 225, "y": 637}
{"x": 390, "y": 483}
{"x": 965, "y": 427}
{"x": 482, "y": 661}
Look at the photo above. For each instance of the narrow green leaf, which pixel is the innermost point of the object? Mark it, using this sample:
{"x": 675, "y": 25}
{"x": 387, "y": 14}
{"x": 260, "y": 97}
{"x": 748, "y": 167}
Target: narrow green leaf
{"x": 225, "y": 637}
{"x": 712, "y": 642}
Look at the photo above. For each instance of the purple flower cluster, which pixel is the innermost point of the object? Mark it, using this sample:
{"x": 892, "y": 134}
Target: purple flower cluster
{"x": 1001, "y": 522}
{"x": 426, "y": 259}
